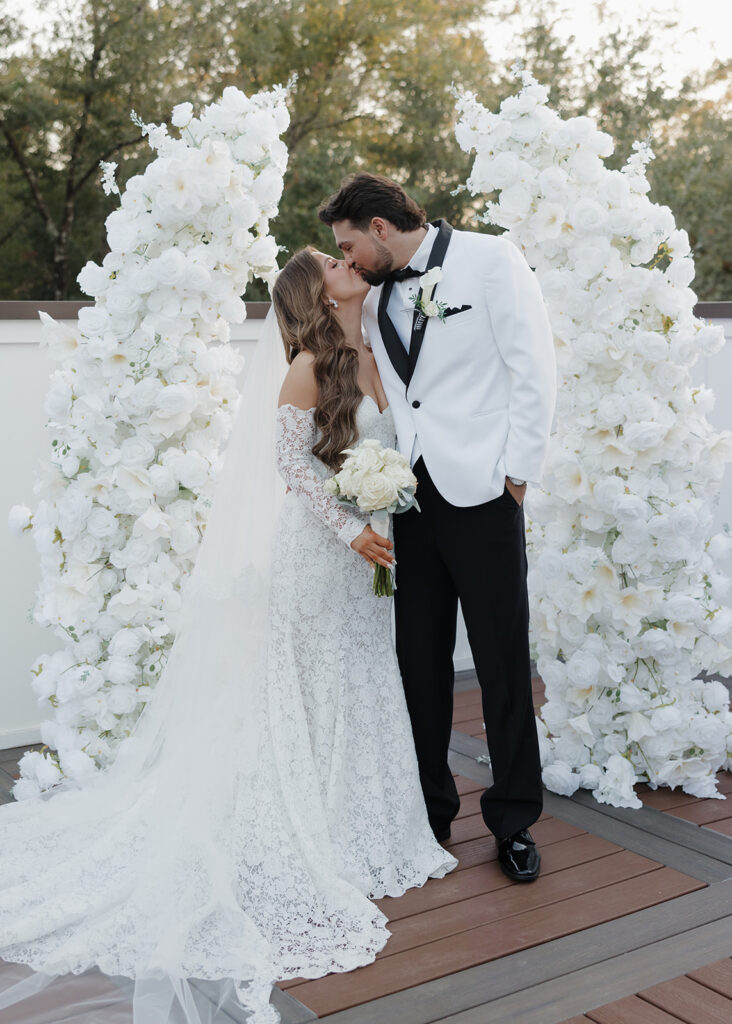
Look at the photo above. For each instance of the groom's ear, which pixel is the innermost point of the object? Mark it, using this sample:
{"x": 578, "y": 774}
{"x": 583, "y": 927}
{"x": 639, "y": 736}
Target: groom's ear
{"x": 379, "y": 227}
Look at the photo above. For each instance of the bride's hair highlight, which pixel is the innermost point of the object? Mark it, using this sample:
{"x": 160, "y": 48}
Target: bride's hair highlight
{"x": 308, "y": 323}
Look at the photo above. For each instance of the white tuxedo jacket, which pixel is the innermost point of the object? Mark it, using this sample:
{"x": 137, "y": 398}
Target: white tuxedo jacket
{"x": 479, "y": 393}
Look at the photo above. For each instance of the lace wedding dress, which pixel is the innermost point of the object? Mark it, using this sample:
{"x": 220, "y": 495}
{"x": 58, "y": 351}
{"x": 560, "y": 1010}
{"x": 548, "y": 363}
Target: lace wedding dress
{"x": 245, "y": 843}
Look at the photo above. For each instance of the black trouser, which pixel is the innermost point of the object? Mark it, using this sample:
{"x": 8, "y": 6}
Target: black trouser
{"x": 477, "y": 555}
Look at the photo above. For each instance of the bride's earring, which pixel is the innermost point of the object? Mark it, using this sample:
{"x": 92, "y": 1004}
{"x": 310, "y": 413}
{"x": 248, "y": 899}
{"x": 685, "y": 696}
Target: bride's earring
{"x": 333, "y": 303}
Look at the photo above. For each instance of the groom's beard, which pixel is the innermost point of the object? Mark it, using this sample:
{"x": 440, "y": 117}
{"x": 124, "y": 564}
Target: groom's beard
{"x": 384, "y": 266}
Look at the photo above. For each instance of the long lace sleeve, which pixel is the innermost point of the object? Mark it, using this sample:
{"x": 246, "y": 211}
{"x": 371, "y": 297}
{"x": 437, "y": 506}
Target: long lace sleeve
{"x": 294, "y": 439}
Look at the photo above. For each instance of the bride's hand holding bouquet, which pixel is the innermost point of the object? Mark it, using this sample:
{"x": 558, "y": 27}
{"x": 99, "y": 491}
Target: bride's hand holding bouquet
{"x": 379, "y": 481}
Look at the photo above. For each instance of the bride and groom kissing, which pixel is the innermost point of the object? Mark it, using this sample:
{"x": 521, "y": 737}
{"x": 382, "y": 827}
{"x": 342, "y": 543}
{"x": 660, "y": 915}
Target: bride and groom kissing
{"x": 468, "y": 371}
{"x": 328, "y": 784}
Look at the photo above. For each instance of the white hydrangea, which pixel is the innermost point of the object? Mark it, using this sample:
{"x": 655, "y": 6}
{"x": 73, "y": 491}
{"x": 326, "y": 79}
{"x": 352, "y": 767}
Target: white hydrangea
{"x": 626, "y": 606}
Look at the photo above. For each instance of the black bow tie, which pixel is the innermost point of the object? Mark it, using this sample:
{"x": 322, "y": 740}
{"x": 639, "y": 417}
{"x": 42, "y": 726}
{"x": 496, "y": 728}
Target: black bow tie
{"x": 402, "y": 275}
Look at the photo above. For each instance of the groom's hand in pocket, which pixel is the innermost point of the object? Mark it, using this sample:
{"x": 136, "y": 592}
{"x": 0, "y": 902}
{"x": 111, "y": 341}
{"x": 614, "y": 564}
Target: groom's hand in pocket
{"x": 373, "y": 548}
{"x": 518, "y": 493}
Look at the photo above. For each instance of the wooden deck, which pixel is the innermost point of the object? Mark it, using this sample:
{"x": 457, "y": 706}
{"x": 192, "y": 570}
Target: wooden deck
{"x": 630, "y": 921}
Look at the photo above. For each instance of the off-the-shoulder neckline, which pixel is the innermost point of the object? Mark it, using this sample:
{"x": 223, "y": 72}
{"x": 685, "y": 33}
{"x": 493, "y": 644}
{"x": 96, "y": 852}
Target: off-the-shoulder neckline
{"x": 312, "y": 408}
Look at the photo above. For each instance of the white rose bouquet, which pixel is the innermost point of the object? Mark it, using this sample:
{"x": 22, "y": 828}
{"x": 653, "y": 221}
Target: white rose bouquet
{"x": 379, "y": 481}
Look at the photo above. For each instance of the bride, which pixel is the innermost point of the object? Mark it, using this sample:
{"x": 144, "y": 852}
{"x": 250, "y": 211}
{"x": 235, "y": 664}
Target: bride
{"x": 269, "y": 790}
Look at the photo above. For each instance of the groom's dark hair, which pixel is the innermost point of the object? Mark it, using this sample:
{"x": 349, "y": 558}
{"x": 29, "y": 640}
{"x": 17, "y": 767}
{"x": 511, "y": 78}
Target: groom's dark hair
{"x": 363, "y": 196}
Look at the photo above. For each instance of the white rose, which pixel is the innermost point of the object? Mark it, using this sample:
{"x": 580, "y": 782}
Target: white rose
{"x": 559, "y": 778}
{"x": 101, "y": 523}
{"x": 119, "y": 669}
{"x": 174, "y": 404}
{"x": 136, "y": 451}
{"x": 430, "y": 308}
{"x": 93, "y": 279}
{"x": 377, "y": 491}
{"x": 125, "y": 643}
{"x": 169, "y": 268}
{"x": 267, "y": 188}
{"x": 122, "y": 699}
{"x": 34, "y": 765}
{"x": 586, "y": 215}
{"x": 93, "y": 320}
{"x": 184, "y": 538}
{"x": 77, "y": 765}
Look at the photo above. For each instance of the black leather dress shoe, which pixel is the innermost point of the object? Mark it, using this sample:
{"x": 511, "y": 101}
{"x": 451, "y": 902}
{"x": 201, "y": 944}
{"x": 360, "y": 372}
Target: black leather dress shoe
{"x": 518, "y": 856}
{"x": 443, "y": 835}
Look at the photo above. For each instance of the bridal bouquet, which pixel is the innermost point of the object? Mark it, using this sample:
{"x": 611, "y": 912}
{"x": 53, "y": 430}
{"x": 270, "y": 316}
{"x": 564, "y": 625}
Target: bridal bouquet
{"x": 379, "y": 481}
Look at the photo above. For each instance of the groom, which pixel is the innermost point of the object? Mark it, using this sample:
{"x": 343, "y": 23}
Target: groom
{"x": 467, "y": 363}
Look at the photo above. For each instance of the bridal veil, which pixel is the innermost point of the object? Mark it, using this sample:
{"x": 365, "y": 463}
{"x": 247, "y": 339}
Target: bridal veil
{"x": 119, "y": 902}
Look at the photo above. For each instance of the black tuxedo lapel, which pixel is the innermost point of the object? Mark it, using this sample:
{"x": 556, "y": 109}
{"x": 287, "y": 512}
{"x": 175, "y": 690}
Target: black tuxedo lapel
{"x": 419, "y": 320}
{"x": 392, "y": 341}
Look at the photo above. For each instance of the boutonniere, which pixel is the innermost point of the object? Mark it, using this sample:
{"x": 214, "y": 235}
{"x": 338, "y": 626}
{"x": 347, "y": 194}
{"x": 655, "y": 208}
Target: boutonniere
{"x": 424, "y": 301}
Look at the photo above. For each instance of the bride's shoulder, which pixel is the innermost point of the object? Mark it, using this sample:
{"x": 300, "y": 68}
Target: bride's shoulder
{"x": 300, "y": 388}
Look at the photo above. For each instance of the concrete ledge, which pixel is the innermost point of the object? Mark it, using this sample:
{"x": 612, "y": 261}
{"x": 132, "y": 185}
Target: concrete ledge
{"x": 70, "y": 310}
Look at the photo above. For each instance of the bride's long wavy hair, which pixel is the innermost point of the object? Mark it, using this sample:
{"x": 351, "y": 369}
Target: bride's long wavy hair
{"x": 307, "y": 324}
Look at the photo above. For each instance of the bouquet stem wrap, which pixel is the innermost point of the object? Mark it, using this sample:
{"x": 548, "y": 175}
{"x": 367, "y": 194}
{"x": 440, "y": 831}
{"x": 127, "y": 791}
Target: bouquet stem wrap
{"x": 383, "y": 577}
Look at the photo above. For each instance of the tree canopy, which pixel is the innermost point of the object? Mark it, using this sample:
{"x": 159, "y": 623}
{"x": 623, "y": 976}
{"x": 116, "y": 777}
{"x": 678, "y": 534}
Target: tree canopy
{"x": 373, "y": 90}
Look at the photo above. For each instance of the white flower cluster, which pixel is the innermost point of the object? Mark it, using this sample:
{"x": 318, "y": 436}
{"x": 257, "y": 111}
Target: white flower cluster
{"x": 138, "y": 410}
{"x": 374, "y": 478}
{"x": 627, "y": 601}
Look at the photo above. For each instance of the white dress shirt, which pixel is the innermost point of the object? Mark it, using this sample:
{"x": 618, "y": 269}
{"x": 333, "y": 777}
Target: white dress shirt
{"x": 400, "y": 309}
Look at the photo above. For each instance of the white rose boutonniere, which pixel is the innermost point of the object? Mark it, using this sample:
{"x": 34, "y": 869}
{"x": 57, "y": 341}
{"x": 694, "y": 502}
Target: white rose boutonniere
{"x": 424, "y": 301}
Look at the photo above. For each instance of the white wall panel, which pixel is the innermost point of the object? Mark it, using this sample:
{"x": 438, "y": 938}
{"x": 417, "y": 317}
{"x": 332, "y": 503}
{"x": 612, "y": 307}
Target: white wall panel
{"x": 24, "y": 372}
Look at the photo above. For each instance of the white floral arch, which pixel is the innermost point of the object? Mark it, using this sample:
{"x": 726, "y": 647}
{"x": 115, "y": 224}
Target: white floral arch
{"x": 627, "y": 605}
{"x": 138, "y": 410}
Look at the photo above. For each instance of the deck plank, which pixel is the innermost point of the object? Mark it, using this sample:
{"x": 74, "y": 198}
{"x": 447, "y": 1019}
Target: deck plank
{"x": 508, "y": 901}
{"x": 723, "y": 827}
{"x": 702, "y": 812}
{"x": 493, "y": 940}
{"x": 690, "y": 1001}
{"x": 717, "y": 976}
{"x": 631, "y": 1010}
